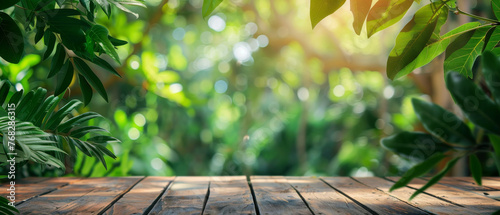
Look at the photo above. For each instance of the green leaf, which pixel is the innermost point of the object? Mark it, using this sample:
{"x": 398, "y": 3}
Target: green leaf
{"x": 462, "y": 53}
{"x": 89, "y": 75}
{"x": 323, "y": 8}
{"x": 67, "y": 77}
{"x": 209, "y": 6}
{"x": 437, "y": 45}
{"x": 360, "y": 9}
{"x": 82, "y": 131}
{"x": 4, "y": 91}
{"x": 105, "y": 65}
{"x": 104, "y": 4}
{"x": 436, "y": 178}
{"x": 475, "y": 168}
{"x": 442, "y": 123}
{"x": 57, "y": 60}
{"x": 50, "y": 41}
{"x": 474, "y": 103}
{"x": 492, "y": 38}
{"x": 491, "y": 72}
{"x": 386, "y": 13}
{"x": 86, "y": 90}
{"x": 124, "y": 9}
{"x": 495, "y": 5}
{"x": 57, "y": 117}
{"x": 86, "y": 5}
{"x": 412, "y": 40}
{"x": 77, "y": 120}
{"x": 16, "y": 97}
{"x": 7, "y": 3}
{"x": 414, "y": 145}
{"x": 11, "y": 39}
{"x": 43, "y": 110}
{"x": 495, "y": 142}
{"x": 117, "y": 42}
{"x": 99, "y": 34}
{"x": 418, "y": 170}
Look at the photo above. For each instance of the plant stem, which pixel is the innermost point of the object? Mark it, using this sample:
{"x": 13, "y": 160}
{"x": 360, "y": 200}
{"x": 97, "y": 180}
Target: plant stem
{"x": 477, "y": 17}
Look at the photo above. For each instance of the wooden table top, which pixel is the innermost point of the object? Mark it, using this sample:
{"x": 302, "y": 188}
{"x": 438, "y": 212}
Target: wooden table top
{"x": 252, "y": 195}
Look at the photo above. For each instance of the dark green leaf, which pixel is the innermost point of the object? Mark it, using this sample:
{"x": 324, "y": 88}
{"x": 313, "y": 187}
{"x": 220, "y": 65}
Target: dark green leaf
{"x": 495, "y": 142}
{"x": 359, "y": 9}
{"x": 462, "y": 53}
{"x": 89, "y": 75}
{"x": 50, "y": 41}
{"x": 16, "y": 97}
{"x": 57, "y": 117}
{"x": 442, "y": 123}
{"x": 491, "y": 39}
{"x": 66, "y": 78}
{"x": 414, "y": 145}
{"x": 57, "y": 60}
{"x": 86, "y": 5}
{"x": 104, "y": 4}
{"x": 44, "y": 108}
{"x": 414, "y": 37}
{"x": 491, "y": 72}
{"x": 321, "y": 9}
{"x": 436, "y": 178}
{"x": 105, "y": 65}
{"x": 475, "y": 169}
{"x": 77, "y": 120}
{"x": 34, "y": 104}
{"x": 386, "y": 13}
{"x": 58, "y": 13}
{"x": 40, "y": 30}
{"x": 495, "y": 5}
{"x": 4, "y": 91}
{"x": 99, "y": 34}
{"x": 418, "y": 170}
{"x": 11, "y": 39}
{"x": 7, "y": 3}
{"x": 86, "y": 90}
{"x": 80, "y": 132}
{"x": 123, "y": 8}
{"x": 209, "y": 6}
{"x": 474, "y": 103}
{"x": 117, "y": 42}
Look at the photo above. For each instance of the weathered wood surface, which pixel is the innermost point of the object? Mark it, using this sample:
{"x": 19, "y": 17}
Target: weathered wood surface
{"x": 251, "y": 195}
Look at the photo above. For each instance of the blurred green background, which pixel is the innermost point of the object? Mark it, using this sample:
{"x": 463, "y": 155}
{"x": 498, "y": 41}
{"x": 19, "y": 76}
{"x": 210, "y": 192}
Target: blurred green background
{"x": 251, "y": 89}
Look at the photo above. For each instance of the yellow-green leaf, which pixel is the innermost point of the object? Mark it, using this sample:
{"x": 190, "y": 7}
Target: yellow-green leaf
{"x": 386, "y": 13}
{"x": 360, "y": 9}
{"x": 322, "y": 8}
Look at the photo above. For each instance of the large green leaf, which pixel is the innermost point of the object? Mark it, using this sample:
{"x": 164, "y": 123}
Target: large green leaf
{"x": 86, "y": 90}
{"x": 474, "y": 103}
{"x": 442, "y": 123}
{"x": 492, "y": 39}
{"x": 418, "y": 170}
{"x": 66, "y": 78}
{"x": 7, "y": 3}
{"x": 414, "y": 145}
{"x": 91, "y": 78}
{"x": 436, "y": 178}
{"x": 386, "y": 13}
{"x": 437, "y": 45}
{"x": 209, "y": 6}
{"x": 322, "y": 8}
{"x": 57, "y": 60}
{"x": 495, "y": 5}
{"x": 491, "y": 73}
{"x": 462, "y": 53}
{"x": 99, "y": 34}
{"x": 359, "y": 9}
{"x": 11, "y": 39}
{"x": 415, "y": 35}
{"x": 475, "y": 169}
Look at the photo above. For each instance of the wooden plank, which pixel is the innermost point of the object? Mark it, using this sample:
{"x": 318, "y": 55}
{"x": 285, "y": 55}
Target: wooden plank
{"x": 463, "y": 183}
{"x": 275, "y": 196}
{"x": 229, "y": 195}
{"x": 477, "y": 203}
{"x": 423, "y": 201}
{"x": 322, "y": 199}
{"x": 141, "y": 196}
{"x": 186, "y": 195}
{"x": 28, "y": 188}
{"x": 89, "y": 196}
{"x": 374, "y": 199}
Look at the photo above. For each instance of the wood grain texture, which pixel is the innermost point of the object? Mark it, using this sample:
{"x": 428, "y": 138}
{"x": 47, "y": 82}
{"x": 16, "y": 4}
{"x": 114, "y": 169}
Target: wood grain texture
{"x": 423, "y": 201}
{"x": 322, "y": 199}
{"x": 372, "y": 198}
{"x": 465, "y": 184}
{"x": 275, "y": 196}
{"x": 28, "y": 188}
{"x": 229, "y": 195}
{"x": 186, "y": 195}
{"x": 141, "y": 196}
{"x": 86, "y": 196}
{"x": 477, "y": 203}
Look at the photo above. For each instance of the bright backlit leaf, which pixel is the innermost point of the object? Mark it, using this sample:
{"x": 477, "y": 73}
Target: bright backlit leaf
{"x": 323, "y": 8}
{"x": 359, "y": 9}
{"x": 386, "y": 13}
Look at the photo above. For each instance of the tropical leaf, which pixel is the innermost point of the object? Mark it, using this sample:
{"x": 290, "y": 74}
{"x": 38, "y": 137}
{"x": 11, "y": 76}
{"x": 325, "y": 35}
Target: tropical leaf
{"x": 414, "y": 145}
{"x": 442, "y": 123}
{"x": 491, "y": 72}
{"x": 412, "y": 40}
{"x": 495, "y": 5}
{"x": 386, "y": 13}
{"x": 11, "y": 39}
{"x": 476, "y": 169}
{"x": 322, "y": 8}
{"x": 436, "y": 178}
{"x": 462, "y": 53}
{"x": 209, "y": 6}
{"x": 360, "y": 9}
{"x": 418, "y": 170}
